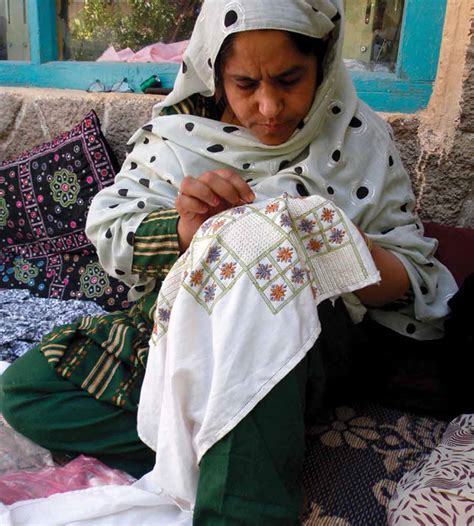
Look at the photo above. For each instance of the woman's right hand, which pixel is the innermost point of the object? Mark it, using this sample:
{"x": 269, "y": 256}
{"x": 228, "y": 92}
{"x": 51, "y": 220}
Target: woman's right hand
{"x": 205, "y": 196}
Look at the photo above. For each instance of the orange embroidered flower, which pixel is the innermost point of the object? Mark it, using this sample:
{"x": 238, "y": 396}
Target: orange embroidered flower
{"x": 215, "y": 226}
{"x": 285, "y": 254}
{"x": 196, "y": 277}
{"x": 228, "y": 270}
{"x": 271, "y": 208}
{"x": 278, "y": 292}
{"x": 314, "y": 245}
{"x": 327, "y": 215}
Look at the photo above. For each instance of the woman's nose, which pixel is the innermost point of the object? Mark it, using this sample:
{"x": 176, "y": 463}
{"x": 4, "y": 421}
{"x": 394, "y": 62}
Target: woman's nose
{"x": 270, "y": 103}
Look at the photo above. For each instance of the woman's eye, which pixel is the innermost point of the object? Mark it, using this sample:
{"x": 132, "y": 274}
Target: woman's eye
{"x": 246, "y": 85}
{"x": 289, "y": 82}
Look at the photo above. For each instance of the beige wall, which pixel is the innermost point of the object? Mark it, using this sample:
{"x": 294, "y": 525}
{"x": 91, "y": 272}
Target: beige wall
{"x": 436, "y": 144}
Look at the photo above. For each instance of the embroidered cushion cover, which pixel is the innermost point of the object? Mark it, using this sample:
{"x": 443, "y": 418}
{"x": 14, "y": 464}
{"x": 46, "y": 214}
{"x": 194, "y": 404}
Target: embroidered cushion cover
{"x": 45, "y": 195}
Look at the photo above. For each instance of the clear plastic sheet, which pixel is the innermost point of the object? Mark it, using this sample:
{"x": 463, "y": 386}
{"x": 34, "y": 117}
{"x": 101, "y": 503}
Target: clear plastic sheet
{"x": 81, "y": 473}
{"x": 18, "y": 453}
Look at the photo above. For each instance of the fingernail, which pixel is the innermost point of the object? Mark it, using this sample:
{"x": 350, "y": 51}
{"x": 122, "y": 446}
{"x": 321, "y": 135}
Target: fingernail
{"x": 250, "y": 197}
{"x": 216, "y": 201}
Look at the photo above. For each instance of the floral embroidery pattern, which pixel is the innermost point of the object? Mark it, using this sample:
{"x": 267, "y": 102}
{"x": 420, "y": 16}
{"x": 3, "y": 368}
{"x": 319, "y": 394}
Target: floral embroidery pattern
{"x": 94, "y": 281}
{"x": 314, "y": 245}
{"x": 306, "y": 225}
{"x": 337, "y": 235}
{"x": 64, "y": 187}
{"x": 285, "y": 254}
{"x": 196, "y": 277}
{"x": 285, "y": 221}
{"x": 327, "y": 215}
{"x": 4, "y": 213}
{"x": 214, "y": 254}
{"x": 218, "y": 224}
{"x": 164, "y": 315}
{"x": 264, "y": 271}
{"x": 210, "y": 292}
{"x": 24, "y": 270}
{"x": 239, "y": 210}
{"x": 228, "y": 270}
{"x": 272, "y": 208}
{"x": 297, "y": 275}
{"x": 278, "y": 292}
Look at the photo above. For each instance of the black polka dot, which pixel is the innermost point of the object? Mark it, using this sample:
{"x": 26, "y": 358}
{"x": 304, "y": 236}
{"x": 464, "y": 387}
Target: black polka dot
{"x": 230, "y": 129}
{"x": 123, "y": 192}
{"x": 168, "y": 181}
{"x": 113, "y": 206}
{"x": 430, "y": 265}
{"x": 129, "y": 148}
{"x": 130, "y": 238}
{"x": 411, "y": 328}
{"x": 418, "y": 227}
{"x": 152, "y": 159}
{"x": 164, "y": 139}
{"x": 330, "y": 190}
{"x": 216, "y": 148}
{"x": 390, "y": 161}
{"x": 283, "y": 165}
{"x": 141, "y": 204}
{"x": 362, "y": 192}
{"x": 146, "y": 140}
{"x": 140, "y": 288}
{"x": 302, "y": 190}
{"x": 148, "y": 127}
{"x": 387, "y": 231}
{"x": 336, "y": 17}
{"x": 246, "y": 166}
{"x": 230, "y": 18}
{"x": 298, "y": 170}
{"x": 248, "y": 180}
{"x": 119, "y": 272}
{"x": 189, "y": 126}
{"x": 133, "y": 166}
{"x": 301, "y": 125}
{"x": 209, "y": 62}
{"x": 424, "y": 290}
{"x": 336, "y": 156}
{"x": 336, "y": 110}
{"x": 108, "y": 234}
{"x": 315, "y": 10}
{"x": 403, "y": 208}
{"x": 145, "y": 182}
{"x": 355, "y": 123}
{"x": 184, "y": 67}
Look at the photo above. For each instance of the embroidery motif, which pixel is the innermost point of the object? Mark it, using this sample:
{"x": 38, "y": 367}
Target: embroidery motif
{"x": 25, "y": 271}
{"x": 4, "y": 213}
{"x": 94, "y": 281}
{"x": 64, "y": 187}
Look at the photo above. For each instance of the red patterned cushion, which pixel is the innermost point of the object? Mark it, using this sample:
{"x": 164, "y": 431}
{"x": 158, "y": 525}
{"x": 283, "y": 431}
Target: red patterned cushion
{"x": 45, "y": 195}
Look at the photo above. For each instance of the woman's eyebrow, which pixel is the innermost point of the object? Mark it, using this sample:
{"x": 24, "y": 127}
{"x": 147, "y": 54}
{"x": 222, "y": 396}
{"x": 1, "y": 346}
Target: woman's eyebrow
{"x": 287, "y": 73}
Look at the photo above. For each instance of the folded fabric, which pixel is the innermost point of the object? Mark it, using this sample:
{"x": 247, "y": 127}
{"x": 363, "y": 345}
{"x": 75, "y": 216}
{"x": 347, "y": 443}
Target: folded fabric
{"x": 158, "y": 52}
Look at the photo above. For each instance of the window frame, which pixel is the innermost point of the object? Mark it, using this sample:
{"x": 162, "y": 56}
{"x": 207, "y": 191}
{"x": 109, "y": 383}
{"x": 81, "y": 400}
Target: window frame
{"x": 406, "y": 90}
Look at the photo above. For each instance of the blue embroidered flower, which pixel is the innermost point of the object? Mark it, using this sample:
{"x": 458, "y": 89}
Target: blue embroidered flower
{"x": 285, "y": 221}
{"x": 307, "y": 225}
{"x": 264, "y": 271}
{"x": 210, "y": 293}
{"x": 214, "y": 254}
{"x": 164, "y": 315}
{"x": 239, "y": 210}
{"x": 337, "y": 236}
{"x": 297, "y": 275}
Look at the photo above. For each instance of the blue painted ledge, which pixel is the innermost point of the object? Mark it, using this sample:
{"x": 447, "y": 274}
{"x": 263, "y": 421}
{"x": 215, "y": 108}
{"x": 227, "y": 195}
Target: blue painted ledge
{"x": 381, "y": 91}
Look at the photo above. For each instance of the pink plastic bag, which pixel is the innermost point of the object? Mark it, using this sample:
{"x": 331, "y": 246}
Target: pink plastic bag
{"x": 81, "y": 473}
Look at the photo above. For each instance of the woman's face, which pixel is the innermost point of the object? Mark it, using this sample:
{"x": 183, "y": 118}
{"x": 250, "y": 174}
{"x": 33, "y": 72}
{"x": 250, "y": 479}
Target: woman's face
{"x": 269, "y": 84}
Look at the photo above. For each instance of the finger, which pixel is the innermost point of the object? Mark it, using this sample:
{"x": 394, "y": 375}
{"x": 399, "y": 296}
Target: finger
{"x": 186, "y": 205}
{"x": 196, "y": 188}
{"x": 242, "y": 187}
{"x": 223, "y": 186}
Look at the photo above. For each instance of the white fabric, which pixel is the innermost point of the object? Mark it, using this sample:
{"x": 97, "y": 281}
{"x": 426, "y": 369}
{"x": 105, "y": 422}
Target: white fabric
{"x": 344, "y": 152}
{"x": 235, "y": 315}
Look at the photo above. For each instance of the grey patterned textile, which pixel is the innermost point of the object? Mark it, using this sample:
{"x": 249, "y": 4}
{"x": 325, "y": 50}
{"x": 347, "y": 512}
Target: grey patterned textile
{"x": 25, "y": 319}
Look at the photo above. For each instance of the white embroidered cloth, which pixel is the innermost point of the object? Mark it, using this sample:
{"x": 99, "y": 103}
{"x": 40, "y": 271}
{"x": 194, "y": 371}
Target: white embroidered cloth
{"x": 236, "y": 314}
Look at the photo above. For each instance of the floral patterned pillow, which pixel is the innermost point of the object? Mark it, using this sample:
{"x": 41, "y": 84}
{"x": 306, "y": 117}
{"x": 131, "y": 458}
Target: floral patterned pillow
{"x": 45, "y": 195}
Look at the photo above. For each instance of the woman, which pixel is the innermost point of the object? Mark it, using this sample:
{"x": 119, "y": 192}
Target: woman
{"x": 262, "y": 106}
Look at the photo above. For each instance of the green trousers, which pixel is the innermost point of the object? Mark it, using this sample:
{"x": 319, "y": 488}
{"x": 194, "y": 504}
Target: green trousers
{"x": 250, "y": 477}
